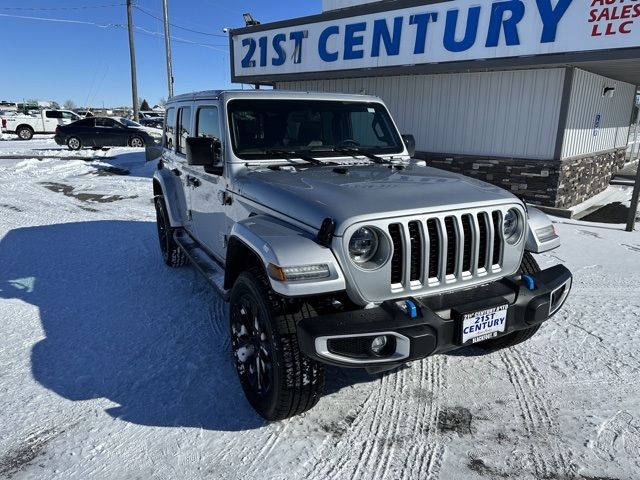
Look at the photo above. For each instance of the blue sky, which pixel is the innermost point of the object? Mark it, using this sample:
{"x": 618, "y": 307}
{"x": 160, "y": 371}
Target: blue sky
{"x": 89, "y": 64}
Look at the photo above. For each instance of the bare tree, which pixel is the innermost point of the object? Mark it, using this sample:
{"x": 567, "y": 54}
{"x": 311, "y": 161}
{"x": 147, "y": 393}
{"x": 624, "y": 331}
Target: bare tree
{"x": 69, "y": 105}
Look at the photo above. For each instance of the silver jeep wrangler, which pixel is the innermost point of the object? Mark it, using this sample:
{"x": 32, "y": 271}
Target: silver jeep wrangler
{"x": 333, "y": 246}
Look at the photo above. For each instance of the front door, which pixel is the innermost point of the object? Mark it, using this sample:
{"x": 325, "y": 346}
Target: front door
{"x": 108, "y": 132}
{"x": 208, "y": 204}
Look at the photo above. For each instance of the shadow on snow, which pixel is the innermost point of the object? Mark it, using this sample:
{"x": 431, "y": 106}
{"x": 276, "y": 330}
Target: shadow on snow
{"x": 120, "y": 325}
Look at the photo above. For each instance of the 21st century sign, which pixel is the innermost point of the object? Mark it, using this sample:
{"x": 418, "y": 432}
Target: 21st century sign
{"x": 449, "y": 31}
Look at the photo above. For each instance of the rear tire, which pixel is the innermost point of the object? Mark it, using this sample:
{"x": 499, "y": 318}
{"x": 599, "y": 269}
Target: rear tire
{"x": 74, "y": 143}
{"x": 529, "y": 266}
{"x": 171, "y": 253}
{"x": 278, "y": 380}
{"x": 25, "y": 133}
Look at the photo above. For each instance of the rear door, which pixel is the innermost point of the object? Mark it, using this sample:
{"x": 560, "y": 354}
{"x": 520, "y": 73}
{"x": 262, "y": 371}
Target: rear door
{"x": 83, "y": 129}
{"x": 174, "y": 156}
{"x": 51, "y": 120}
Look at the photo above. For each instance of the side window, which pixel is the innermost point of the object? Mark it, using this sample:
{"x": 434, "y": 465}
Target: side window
{"x": 53, "y": 114}
{"x": 208, "y": 126}
{"x": 208, "y": 123}
{"x": 184, "y": 127}
{"x": 170, "y": 128}
{"x": 106, "y": 123}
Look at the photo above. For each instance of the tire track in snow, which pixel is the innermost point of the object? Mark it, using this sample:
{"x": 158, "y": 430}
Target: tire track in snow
{"x": 545, "y": 453}
{"x": 399, "y": 416}
{"x": 310, "y": 466}
{"x": 424, "y": 458}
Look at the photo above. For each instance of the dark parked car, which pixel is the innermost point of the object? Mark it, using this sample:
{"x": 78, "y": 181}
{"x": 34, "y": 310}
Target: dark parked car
{"x": 100, "y": 132}
{"x": 157, "y": 122}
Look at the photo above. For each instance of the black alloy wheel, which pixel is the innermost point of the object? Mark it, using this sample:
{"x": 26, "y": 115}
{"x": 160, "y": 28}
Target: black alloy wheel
{"x": 172, "y": 254}
{"x": 278, "y": 380}
{"x": 251, "y": 348}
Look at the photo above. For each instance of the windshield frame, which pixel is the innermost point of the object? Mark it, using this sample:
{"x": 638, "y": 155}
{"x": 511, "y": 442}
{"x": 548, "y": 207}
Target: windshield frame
{"x": 316, "y": 151}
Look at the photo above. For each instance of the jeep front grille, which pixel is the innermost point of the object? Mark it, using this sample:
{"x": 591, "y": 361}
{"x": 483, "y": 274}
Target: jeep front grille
{"x": 445, "y": 249}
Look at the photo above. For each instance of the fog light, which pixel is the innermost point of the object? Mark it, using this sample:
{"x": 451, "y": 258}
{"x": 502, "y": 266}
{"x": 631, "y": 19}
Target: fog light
{"x": 378, "y": 344}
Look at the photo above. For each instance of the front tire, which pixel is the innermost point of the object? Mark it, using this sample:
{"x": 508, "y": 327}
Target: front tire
{"x": 25, "y": 133}
{"x": 171, "y": 253}
{"x": 74, "y": 143}
{"x": 529, "y": 266}
{"x": 278, "y": 380}
{"x": 136, "y": 142}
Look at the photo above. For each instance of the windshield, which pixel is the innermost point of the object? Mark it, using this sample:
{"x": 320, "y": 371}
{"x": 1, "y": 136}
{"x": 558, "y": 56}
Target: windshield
{"x": 128, "y": 123}
{"x": 259, "y": 127}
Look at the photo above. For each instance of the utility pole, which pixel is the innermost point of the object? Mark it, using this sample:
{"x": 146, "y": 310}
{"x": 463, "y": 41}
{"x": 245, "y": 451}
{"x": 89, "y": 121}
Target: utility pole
{"x": 167, "y": 47}
{"x": 633, "y": 208}
{"x": 132, "y": 54}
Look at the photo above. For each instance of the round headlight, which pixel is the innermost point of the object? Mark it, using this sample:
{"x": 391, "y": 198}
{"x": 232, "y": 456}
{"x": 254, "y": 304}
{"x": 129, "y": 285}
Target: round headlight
{"x": 512, "y": 226}
{"x": 363, "y": 245}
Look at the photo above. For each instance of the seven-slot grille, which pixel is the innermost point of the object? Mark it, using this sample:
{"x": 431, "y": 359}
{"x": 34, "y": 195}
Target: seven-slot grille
{"x": 445, "y": 249}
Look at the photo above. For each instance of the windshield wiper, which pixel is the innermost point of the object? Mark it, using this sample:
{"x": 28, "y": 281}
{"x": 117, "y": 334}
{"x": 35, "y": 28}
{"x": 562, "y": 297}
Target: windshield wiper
{"x": 288, "y": 155}
{"x": 355, "y": 152}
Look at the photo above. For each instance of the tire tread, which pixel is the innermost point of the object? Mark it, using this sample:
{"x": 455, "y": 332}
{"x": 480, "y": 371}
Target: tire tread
{"x": 296, "y": 397}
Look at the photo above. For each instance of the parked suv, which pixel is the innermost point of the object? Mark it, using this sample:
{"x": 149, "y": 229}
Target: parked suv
{"x": 333, "y": 246}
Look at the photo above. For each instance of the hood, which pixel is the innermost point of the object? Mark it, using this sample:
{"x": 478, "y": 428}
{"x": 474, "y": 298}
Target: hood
{"x": 367, "y": 192}
{"x": 154, "y": 132}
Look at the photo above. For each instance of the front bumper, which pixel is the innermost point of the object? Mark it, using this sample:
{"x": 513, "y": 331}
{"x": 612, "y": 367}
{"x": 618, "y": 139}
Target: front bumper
{"x": 341, "y": 339}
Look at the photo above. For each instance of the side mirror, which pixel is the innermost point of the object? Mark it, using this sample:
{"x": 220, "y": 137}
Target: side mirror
{"x": 203, "y": 151}
{"x": 410, "y": 142}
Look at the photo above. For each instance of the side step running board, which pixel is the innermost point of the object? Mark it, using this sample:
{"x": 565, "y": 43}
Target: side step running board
{"x": 208, "y": 267}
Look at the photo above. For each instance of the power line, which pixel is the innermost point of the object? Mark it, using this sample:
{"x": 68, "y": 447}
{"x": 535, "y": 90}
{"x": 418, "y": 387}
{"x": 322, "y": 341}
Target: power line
{"x": 182, "y": 40}
{"x": 60, "y": 20}
{"x": 178, "y": 26}
{"x": 82, "y": 7}
{"x": 210, "y": 46}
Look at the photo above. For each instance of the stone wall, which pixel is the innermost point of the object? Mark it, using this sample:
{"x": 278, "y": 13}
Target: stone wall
{"x": 550, "y": 183}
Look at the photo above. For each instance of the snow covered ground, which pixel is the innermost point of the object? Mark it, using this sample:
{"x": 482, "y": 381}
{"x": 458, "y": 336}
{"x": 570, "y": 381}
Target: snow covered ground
{"x": 112, "y": 366}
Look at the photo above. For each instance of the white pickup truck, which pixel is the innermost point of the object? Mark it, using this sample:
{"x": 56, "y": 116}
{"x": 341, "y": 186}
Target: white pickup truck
{"x": 45, "y": 121}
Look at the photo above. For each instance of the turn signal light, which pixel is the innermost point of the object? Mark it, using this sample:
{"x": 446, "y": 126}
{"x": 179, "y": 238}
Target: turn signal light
{"x": 303, "y": 272}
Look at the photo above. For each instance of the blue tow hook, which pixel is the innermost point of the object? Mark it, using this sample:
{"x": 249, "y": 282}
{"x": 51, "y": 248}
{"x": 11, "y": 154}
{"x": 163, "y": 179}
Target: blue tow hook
{"x": 412, "y": 310}
{"x": 531, "y": 284}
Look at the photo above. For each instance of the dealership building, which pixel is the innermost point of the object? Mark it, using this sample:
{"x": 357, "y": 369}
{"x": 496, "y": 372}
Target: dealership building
{"x": 534, "y": 96}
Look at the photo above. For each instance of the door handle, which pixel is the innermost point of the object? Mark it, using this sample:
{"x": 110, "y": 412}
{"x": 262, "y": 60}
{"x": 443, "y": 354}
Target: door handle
{"x": 225, "y": 198}
{"x": 193, "y": 181}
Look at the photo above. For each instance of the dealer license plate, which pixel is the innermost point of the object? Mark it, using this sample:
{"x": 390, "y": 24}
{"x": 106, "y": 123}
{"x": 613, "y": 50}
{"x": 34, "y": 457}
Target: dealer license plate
{"x": 485, "y": 324}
